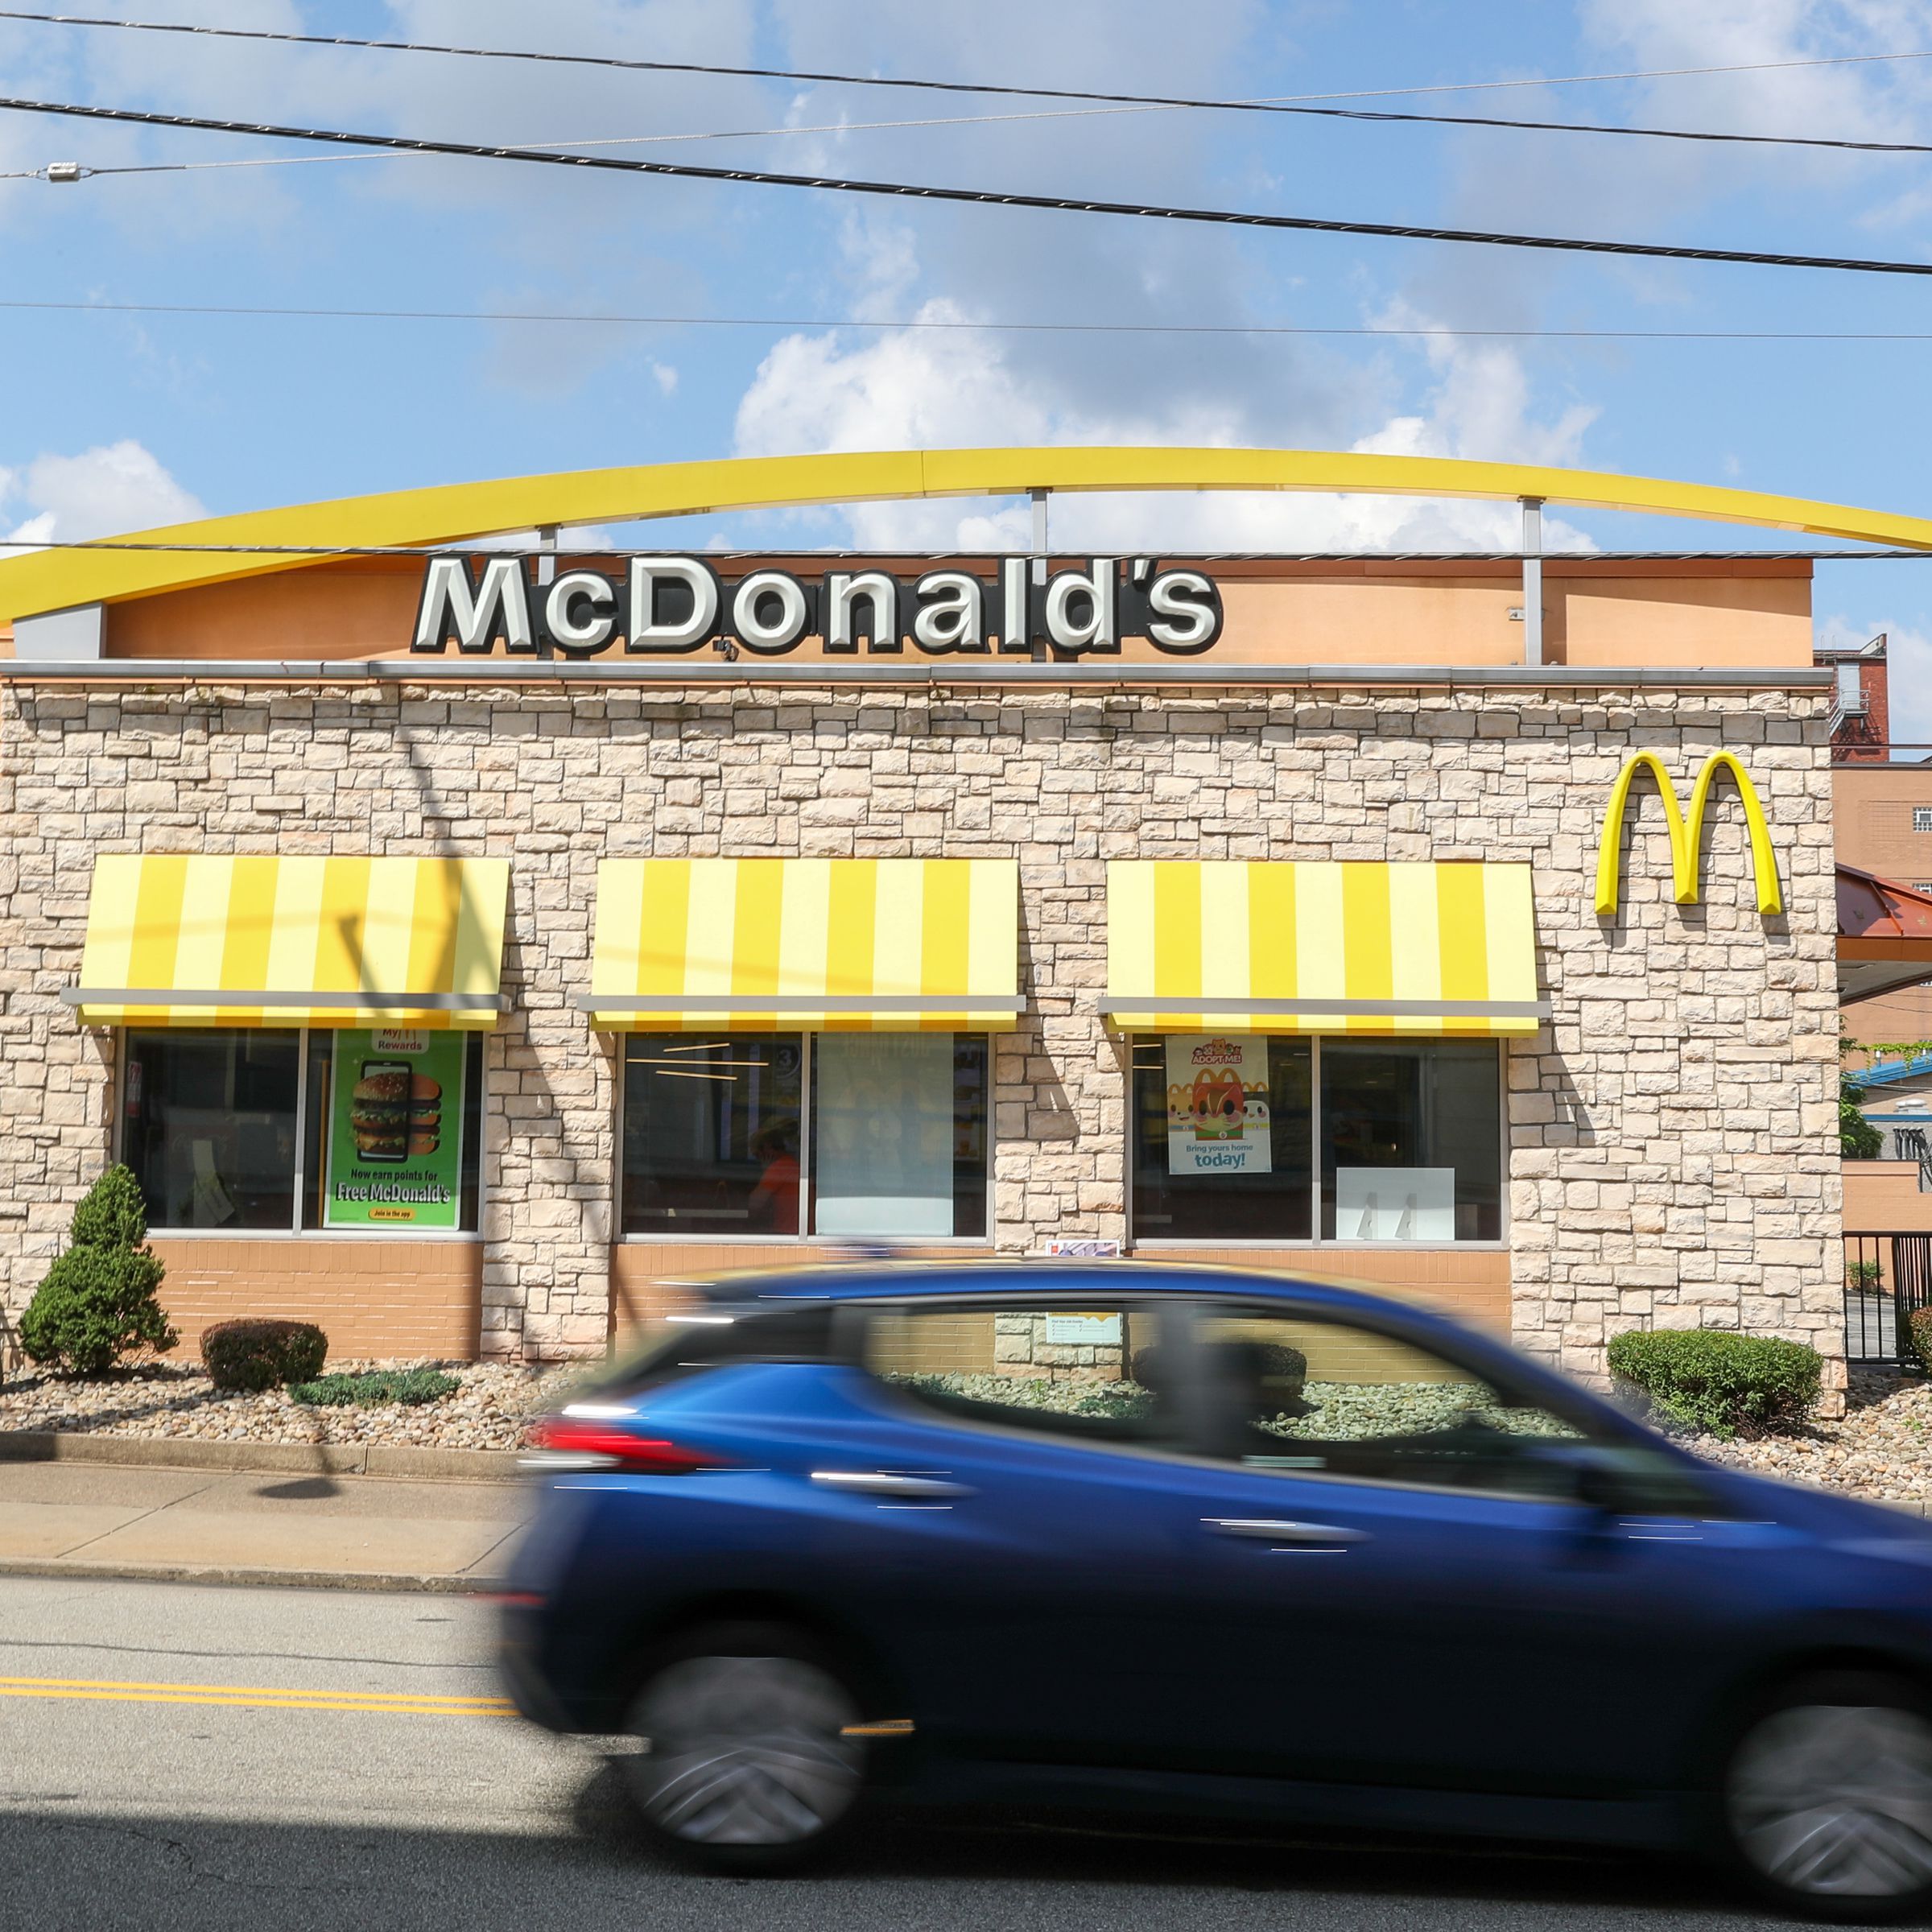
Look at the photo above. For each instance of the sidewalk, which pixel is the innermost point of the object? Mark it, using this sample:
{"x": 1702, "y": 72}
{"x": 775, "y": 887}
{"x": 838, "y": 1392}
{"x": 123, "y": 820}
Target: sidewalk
{"x": 75, "y": 1518}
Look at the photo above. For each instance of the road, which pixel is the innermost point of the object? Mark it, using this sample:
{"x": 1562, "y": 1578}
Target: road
{"x": 193, "y": 1757}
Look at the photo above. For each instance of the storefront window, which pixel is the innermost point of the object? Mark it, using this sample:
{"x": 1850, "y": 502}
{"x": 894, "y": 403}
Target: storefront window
{"x": 1411, "y": 1140}
{"x": 713, "y": 1135}
{"x": 1221, "y": 1138}
{"x": 210, "y": 1128}
{"x": 1227, "y": 1130}
{"x": 718, "y": 1135}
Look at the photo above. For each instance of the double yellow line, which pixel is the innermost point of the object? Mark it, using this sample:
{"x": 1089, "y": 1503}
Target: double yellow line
{"x": 254, "y": 1697}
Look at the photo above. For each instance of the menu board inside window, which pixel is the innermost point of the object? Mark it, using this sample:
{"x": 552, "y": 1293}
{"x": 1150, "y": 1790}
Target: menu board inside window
{"x": 395, "y": 1130}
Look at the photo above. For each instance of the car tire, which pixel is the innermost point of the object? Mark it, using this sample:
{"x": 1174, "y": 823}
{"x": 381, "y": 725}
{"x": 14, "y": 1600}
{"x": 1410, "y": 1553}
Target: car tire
{"x": 744, "y": 1763}
{"x": 1825, "y": 1798}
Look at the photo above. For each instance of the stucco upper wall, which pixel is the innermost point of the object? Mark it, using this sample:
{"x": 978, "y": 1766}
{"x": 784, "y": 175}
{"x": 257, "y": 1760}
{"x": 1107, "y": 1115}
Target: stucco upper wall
{"x": 1747, "y": 614}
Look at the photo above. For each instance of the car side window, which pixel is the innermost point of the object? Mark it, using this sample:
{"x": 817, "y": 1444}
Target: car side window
{"x": 1095, "y": 1373}
{"x": 1318, "y": 1398}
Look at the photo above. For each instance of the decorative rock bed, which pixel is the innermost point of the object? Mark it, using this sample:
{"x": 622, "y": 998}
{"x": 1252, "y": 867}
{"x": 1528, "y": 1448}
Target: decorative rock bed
{"x": 490, "y": 1410}
{"x": 1882, "y": 1449}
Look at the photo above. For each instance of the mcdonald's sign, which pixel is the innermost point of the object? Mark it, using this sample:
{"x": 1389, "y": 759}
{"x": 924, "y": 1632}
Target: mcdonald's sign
{"x": 1687, "y": 837}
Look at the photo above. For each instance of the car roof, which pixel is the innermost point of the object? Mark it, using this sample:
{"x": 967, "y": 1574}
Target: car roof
{"x": 882, "y": 1278}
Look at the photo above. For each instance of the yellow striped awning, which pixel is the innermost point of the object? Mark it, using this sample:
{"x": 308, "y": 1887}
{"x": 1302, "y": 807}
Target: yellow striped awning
{"x": 820, "y": 945}
{"x": 175, "y": 941}
{"x": 1224, "y": 945}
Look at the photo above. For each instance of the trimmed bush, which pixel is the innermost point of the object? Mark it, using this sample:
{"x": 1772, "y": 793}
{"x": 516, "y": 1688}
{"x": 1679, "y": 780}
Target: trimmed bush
{"x": 376, "y": 1387}
{"x": 97, "y": 1301}
{"x": 260, "y": 1352}
{"x": 1918, "y": 1336}
{"x": 1722, "y": 1383}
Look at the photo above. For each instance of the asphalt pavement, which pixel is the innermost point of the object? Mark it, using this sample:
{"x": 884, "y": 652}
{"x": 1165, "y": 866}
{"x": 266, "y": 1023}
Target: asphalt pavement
{"x": 181, "y": 1756}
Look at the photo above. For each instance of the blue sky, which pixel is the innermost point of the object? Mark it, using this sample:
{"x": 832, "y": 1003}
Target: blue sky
{"x": 115, "y": 420}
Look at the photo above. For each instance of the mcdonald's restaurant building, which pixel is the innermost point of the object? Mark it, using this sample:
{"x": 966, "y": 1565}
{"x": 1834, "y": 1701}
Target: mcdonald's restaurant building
{"x": 461, "y": 947}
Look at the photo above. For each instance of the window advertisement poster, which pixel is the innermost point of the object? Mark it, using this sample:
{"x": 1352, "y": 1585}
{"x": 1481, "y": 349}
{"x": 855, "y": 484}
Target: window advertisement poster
{"x": 1217, "y": 1104}
{"x": 1395, "y": 1204}
{"x": 396, "y": 1129}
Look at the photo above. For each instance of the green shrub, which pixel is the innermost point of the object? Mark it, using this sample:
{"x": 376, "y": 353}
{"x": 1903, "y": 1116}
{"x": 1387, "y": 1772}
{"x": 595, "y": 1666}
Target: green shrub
{"x": 260, "y": 1352}
{"x": 375, "y": 1387}
{"x": 1863, "y": 1277}
{"x": 1709, "y": 1380}
{"x": 1918, "y": 1336}
{"x": 97, "y": 1301}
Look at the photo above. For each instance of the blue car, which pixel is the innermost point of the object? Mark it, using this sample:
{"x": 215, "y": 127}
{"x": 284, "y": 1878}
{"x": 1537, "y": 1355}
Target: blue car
{"x": 1205, "y": 1542}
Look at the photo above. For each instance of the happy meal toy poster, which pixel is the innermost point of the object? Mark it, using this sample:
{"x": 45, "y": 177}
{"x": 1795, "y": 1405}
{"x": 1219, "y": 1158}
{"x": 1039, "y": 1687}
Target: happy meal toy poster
{"x": 1217, "y": 1104}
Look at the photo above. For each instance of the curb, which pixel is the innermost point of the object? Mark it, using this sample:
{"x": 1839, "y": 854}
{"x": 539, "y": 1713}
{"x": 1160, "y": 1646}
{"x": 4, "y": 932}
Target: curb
{"x": 442, "y": 1584}
{"x": 398, "y": 1462}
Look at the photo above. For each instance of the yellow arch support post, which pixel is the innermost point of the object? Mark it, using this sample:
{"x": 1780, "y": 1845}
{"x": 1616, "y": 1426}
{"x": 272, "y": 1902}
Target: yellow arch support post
{"x": 1764, "y": 861}
{"x": 57, "y": 579}
{"x": 1684, "y": 863}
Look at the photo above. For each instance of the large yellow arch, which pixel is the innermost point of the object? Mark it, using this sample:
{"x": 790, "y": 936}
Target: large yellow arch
{"x": 56, "y": 579}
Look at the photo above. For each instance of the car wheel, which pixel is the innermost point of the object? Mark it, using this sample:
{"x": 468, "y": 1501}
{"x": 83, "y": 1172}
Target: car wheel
{"x": 744, "y": 1760}
{"x": 1827, "y": 1797}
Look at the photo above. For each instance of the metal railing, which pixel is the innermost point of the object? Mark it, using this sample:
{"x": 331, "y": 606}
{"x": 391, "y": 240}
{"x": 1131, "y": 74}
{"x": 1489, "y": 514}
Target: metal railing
{"x": 1888, "y": 1280}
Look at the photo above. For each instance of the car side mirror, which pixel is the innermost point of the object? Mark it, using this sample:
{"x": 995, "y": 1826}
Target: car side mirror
{"x": 1622, "y": 1482}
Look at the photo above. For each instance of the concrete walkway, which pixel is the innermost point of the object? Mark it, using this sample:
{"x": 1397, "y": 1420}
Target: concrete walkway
{"x": 77, "y": 1519}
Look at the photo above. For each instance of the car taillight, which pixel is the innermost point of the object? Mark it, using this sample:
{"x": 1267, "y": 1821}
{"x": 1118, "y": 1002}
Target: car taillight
{"x": 569, "y": 1442}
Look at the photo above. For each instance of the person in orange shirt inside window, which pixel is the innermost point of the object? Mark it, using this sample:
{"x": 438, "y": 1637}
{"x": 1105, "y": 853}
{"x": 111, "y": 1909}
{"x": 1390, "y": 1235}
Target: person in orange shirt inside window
{"x": 774, "y": 1201}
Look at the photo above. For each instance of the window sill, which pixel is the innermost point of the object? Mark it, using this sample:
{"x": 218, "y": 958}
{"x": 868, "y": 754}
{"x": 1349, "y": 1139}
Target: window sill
{"x": 310, "y": 1234}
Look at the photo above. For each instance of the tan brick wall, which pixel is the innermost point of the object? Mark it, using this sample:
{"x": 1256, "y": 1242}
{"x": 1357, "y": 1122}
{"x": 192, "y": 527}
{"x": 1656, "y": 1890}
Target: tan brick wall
{"x": 388, "y": 1300}
{"x": 1671, "y": 1151}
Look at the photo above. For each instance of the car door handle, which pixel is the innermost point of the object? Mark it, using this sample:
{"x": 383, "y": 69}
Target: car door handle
{"x": 886, "y": 1482}
{"x": 1273, "y": 1530}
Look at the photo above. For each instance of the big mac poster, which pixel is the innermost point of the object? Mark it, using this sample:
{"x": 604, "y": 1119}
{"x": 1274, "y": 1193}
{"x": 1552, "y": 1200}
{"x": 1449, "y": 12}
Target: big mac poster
{"x": 395, "y": 1130}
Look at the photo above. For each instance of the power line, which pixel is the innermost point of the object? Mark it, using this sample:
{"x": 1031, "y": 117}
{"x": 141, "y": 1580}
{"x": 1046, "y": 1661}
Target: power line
{"x": 1259, "y": 104}
{"x": 967, "y": 326}
{"x": 1116, "y": 104}
{"x": 976, "y": 197}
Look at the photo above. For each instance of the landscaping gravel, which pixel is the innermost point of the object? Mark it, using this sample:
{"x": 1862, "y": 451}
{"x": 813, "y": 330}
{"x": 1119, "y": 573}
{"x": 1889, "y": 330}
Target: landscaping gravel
{"x": 1882, "y": 1449}
{"x": 491, "y": 1408}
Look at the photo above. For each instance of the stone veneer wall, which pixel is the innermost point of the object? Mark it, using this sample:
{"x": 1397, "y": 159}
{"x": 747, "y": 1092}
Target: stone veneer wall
{"x": 1673, "y": 1151}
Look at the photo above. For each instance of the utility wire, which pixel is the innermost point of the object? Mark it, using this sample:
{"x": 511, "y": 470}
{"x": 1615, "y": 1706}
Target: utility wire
{"x": 978, "y": 197}
{"x": 967, "y": 326}
{"x": 1257, "y": 104}
{"x": 1119, "y": 104}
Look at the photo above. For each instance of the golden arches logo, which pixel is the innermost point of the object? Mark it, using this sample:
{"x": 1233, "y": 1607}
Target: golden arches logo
{"x": 1686, "y": 835}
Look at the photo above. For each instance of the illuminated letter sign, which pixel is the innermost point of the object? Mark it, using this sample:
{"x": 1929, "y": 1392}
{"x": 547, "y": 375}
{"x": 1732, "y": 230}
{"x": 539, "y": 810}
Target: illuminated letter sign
{"x": 673, "y": 605}
{"x": 1686, "y": 838}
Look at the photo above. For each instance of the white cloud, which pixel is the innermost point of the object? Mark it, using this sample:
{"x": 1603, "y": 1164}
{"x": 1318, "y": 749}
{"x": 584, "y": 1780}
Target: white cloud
{"x": 101, "y": 492}
{"x": 958, "y": 387}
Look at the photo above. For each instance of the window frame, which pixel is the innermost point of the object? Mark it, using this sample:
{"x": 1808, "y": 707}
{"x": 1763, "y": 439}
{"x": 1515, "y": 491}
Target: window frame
{"x": 1922, "y": 817}
{"x": 1317, "y": 1239}
{"x": 808, "y": 1124}
{"x": 295, "y": 1231}
{"x": 1188, "y": 1312}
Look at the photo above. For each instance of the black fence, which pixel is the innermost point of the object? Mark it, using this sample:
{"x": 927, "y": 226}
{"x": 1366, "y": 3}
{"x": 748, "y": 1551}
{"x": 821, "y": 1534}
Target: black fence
{"x": 1888, "y": 1279}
